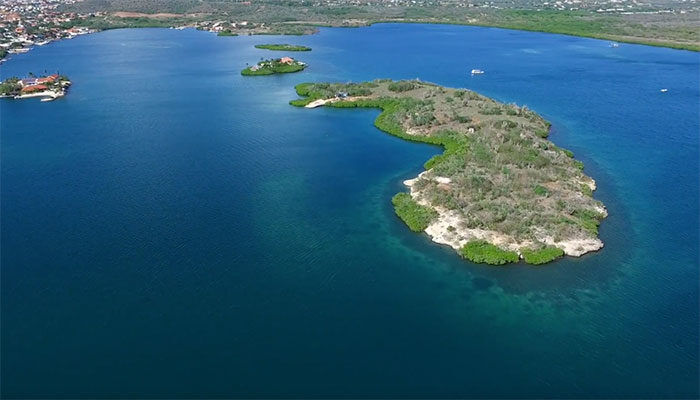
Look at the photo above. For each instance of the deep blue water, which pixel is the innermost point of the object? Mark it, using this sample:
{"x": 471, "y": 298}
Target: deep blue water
{"x": 173, "y": 229}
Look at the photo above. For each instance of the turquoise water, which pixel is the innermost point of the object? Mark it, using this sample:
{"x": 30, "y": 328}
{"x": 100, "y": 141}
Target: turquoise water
{"x": 173, "y": 229}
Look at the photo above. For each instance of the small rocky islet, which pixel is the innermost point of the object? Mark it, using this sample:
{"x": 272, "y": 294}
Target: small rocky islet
{"x": 500, "y": 192}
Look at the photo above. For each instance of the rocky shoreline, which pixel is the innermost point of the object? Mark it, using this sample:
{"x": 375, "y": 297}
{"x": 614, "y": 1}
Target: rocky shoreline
{"x": 446, "y": 228}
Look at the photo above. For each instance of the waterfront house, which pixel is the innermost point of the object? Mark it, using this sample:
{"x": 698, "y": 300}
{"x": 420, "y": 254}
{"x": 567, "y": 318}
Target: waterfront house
{"x": 286, "y": 60}
{"x": 47, "y": 79}
{"x": 34, "y": 88}
{"x": 28, "y": 82}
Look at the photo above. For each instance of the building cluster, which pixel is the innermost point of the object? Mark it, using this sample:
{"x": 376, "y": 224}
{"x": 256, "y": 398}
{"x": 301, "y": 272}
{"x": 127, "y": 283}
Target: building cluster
{"x": 27, "y": 23}
{"x": 48, "y": 87}
{"x": 271, "y": 63}
{"x": 220, "y": 26}
{"x": 30, "y": 85}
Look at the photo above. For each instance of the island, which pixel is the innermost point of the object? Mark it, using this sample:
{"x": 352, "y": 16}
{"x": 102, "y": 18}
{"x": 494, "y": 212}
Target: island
{"x": 282, "y": 47}
{"x": 48, "y": 87}
{"x": 282, "y": 65}
{"x": 500, "y": 192}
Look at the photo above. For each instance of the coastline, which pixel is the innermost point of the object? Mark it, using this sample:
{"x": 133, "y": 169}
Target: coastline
{"x": 46, "y": 94}
{"x": 694, "y": 47}
{"x": 323, "y": 102}
{"x": 439, "y": 230}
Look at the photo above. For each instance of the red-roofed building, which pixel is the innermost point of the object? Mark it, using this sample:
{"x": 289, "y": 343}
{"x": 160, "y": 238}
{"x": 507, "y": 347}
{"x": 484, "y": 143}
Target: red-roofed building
{"x": 47, "y": 79}
{"x": 286, "y": 60}
{"x": 33, "y": 88}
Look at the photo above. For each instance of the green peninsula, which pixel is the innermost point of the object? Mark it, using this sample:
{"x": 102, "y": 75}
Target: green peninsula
{"x": 282, "y": 65}
{"x": 282, "y": 47}
{"x": 500, "y": 191}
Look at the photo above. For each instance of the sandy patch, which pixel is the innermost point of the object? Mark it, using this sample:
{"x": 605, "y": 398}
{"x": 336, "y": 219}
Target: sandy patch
{"x": 321, "y": 102}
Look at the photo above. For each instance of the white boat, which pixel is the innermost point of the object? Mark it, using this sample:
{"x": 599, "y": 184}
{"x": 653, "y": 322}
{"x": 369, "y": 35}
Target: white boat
{"x": 664, "y": 90}
{"x": 42, "y": 42}
{"x": 613, "y": 44}
{"x": 19, "y": 50}
{"x": 48, "y": 99}
{"x": 477, "y": 72}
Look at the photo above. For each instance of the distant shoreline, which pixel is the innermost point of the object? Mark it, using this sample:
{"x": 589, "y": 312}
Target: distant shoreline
{"x": 606, "y": 37}
{"x": 574, "y": 30}
{"x": 596, "y": 36}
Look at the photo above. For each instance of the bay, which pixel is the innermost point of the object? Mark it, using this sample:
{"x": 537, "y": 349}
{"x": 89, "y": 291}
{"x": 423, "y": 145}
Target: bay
{"x": 171, "y": 228}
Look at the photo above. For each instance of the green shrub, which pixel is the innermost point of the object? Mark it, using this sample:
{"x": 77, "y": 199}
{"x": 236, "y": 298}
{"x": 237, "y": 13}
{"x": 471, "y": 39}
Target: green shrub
{"x": 10, "y": 86}
{"x": 481, "y": 251}
{"x": 401, "y": 86}
{"x": 504, "y": 124}
{"x": 541, "y": 190}
{"x": 586, "y": 190}
{"x": 461, "y": 118}
{"x": 495, "y": 110}
{"x": 301, "y": 102}
{"x": 416, "y": 216}
{"x": 589, "y": 220}
{"x": 434, "y": 160}
{"x": 541, "y": 256}
{"x": 282, "y": 47}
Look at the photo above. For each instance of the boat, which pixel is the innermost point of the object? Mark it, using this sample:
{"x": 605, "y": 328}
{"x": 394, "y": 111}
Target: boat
{"x": 19, "y": 50}
{"x": 613, "y": 44}
{"x": 477, "y": 72}
{"x": 48, "y": 99}
{"x": 664, "y": 90}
